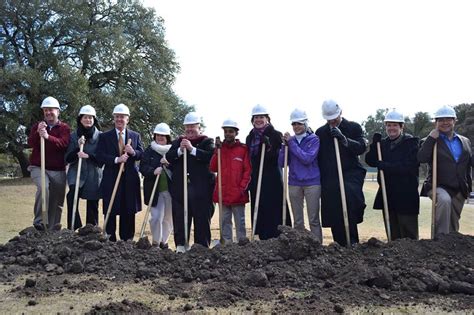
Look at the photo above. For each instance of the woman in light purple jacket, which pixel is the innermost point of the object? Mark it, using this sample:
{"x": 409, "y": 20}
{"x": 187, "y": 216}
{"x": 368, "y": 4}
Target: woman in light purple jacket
{"x": 304, "y": 176}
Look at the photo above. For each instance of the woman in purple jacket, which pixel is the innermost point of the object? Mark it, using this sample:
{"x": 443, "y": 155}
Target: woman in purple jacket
{"x": 304, "y": 177}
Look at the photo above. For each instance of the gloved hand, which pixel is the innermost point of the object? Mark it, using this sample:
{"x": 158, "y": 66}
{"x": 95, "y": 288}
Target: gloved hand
{"x": 286, "y": 137}
{"x": 218, "y": 142}
{"x": 381, "y": 165}
{"x": 266, "y": 140}
{"x": 336, "y": 133}
{"x": 377, "y": 137}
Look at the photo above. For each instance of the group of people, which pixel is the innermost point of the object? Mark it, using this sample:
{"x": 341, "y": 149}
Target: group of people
{"x": 247, "y": 174}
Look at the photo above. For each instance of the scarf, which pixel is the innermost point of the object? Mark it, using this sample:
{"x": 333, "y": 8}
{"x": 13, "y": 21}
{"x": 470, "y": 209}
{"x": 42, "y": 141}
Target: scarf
{"x": 257, "y": 139}
{"x": 88, "y": 133}
{"x": 160, "y": 148}
{"x": 196, "y": 141}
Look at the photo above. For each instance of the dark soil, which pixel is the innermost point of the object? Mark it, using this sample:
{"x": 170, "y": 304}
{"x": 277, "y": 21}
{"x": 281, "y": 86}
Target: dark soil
{"x": 292, "y": 273}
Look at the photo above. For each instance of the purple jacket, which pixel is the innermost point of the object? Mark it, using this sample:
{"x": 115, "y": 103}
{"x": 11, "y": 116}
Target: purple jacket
{"x": 302, "y": 161}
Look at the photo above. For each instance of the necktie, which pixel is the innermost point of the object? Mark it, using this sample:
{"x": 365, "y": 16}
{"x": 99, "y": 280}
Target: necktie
{"x": 121, "y": 144}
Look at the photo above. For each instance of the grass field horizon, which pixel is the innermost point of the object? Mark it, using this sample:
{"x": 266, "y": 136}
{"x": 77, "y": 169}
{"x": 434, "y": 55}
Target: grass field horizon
{"x": 17, "y": 199}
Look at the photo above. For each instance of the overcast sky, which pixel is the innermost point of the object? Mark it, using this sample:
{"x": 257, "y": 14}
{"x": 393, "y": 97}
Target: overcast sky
{"x": 413, "y": 55}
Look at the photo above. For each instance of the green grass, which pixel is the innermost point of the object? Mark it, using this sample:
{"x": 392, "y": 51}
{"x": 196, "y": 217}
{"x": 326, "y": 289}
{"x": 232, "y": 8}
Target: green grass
{"x": 17, "y": 199}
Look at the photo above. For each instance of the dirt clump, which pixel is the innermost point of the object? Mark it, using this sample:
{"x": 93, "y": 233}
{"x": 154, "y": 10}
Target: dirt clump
{"x": 291, "y": 273}
{"x": 125, "y": 306}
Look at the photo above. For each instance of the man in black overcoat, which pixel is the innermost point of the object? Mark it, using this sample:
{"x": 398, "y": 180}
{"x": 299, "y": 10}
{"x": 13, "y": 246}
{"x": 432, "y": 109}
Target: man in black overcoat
{"x": 351, "y": 145}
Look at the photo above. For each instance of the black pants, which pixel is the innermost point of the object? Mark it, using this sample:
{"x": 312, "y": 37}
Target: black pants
{"x": 200, "y": 211}
{"x": 126, "y": 227}
{"x": 92, "y": 212}
{"x": 403, "y": 225}
{"x": 339, "y": 233}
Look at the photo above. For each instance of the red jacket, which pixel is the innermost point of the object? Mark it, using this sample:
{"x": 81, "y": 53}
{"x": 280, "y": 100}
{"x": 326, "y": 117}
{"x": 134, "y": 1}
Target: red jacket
{"x": 236, "y": 169}
{"x": 55, "y": 146}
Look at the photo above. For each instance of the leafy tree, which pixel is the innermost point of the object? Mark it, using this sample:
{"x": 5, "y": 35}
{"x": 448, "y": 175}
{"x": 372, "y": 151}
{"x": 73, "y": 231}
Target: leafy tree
{"x": 465, "y": 121}
{"x": 98, "y": 52}
{"x": 421, "y": 125}
{"x": 375, "y": 123}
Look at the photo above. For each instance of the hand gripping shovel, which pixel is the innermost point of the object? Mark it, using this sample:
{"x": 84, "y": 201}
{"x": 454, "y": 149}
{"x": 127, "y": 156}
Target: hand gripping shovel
{"x": 76, "y": 188}
{"x": 114, "y": 191}
{"x": 384, "y": 196}
{"x": 343, "y": 193}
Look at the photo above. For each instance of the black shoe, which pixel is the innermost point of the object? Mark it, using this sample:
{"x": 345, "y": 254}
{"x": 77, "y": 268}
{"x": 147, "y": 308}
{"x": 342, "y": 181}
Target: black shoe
{"x": 164, "y": 245}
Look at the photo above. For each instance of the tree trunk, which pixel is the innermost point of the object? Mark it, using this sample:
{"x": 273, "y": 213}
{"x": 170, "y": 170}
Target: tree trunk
{"x": 22, "y": 159}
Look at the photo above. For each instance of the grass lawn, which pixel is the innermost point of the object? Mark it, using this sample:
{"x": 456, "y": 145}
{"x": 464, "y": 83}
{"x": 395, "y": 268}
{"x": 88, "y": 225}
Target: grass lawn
{"x": 17, "y": 199}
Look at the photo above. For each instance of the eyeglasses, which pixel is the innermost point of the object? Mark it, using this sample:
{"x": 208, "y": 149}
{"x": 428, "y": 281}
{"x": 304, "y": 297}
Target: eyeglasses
{"x": 296, "y": 124}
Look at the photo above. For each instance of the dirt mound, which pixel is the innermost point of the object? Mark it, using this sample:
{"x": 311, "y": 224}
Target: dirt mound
{"x": 292, "y": 272}
{"x": 126, "y": 306}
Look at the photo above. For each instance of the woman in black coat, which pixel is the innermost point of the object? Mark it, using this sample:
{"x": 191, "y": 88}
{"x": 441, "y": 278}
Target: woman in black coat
{"x": 152, "y": 164}
{"x": 400, "y": 166}
{"x": 271, "y": 193}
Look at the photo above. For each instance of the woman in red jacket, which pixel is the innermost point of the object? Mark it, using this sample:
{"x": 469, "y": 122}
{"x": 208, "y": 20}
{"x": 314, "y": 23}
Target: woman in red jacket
{"x": 235, "y": 161}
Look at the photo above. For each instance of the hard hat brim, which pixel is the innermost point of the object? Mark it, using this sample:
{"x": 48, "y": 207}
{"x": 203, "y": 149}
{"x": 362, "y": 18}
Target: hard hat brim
{"x": 333, "y": 116}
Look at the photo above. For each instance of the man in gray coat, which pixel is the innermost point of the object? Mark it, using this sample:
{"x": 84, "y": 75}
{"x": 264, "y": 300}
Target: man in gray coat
{"x": 454, "y": 170}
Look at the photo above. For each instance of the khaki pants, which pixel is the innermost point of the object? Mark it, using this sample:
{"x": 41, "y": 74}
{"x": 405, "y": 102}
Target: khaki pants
{"x": 312, "y": 194}
{"x": 55, "y": 191}
{"x": 448, "y": 211}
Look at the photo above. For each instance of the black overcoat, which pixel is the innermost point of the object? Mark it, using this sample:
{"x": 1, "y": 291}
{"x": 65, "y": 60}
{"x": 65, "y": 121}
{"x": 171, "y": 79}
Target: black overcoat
{"x": 200, "y": 178}
{"x": 271, "y": 193}
{"x": 149, "y": 162}
{"x": 128, "y": 196}
{"x": 400, "y": 167}
{"x": 353, "y": 174}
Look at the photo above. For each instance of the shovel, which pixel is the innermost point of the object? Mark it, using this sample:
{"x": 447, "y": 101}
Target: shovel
{"x": 384, "y": 196}
{"x": 257, "y": 196}
{"x": 145, "y": 219}
{"x": 433, "y": 189}
{"x": 44, "y": 210}
{"x": 343, "y": 193}
{"x": 285, "y": 184}
{"x": 219, "y": 179}
{"x": 114, "y": 191}
{"x": 185, "y": 197}
{"x": 76, "y": 188}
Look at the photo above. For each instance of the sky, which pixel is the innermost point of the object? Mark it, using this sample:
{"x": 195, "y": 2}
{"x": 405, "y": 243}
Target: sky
{"x": 410, "y": 55}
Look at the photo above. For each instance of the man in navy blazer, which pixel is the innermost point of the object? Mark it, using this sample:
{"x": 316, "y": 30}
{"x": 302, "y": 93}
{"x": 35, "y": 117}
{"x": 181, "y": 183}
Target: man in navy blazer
{"x": 112, "y": 150}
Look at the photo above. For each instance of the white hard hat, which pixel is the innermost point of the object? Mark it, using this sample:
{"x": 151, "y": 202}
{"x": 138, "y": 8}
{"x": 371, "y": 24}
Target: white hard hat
{"x": 50, "y": 102}
{"x": 229, "y": 123}
{"x": 445, "y": 111}
{"x": 191, "y": 119}
{"x": 87, "y": 110}
{"x": 259, "y": 110}
{"x": 298, "y": 115}
{"x": 394, "y": 116}
{"x": 331, "y": 110}
{"x": 162, "y": 129}
{"x": 121, "y": 109}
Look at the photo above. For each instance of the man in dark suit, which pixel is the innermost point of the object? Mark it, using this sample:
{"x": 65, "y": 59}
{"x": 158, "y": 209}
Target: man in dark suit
{"x": 351, "y": 145}
{"x": 454, "y": 170}
{"x": 113, "y": 149}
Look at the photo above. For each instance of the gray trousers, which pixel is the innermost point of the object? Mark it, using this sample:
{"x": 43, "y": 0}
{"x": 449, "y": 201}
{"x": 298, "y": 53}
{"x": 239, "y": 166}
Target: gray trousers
{"x": 161, "y": 221}
{"x": 448, "y": 211}
{"x": 239, "y": 217}
{"x": 55, "y": 191}
{"x": 312, "y": 194}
